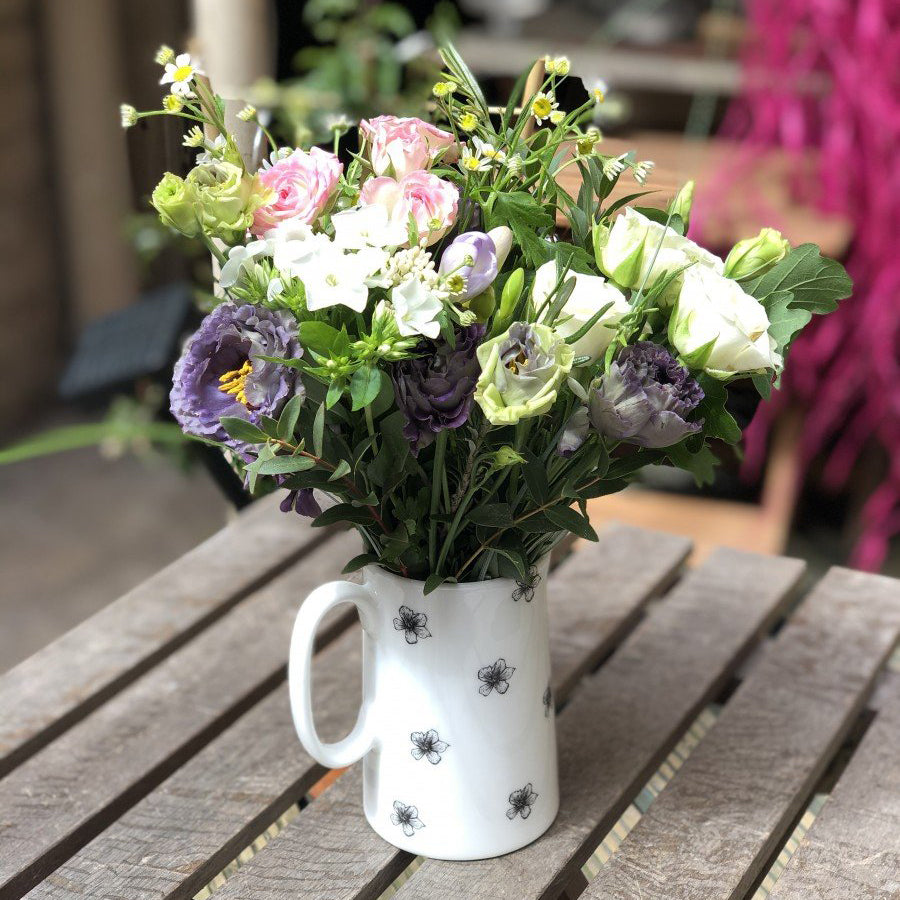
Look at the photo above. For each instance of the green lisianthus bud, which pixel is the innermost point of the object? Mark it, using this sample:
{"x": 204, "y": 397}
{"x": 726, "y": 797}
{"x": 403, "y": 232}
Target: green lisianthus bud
{"x": 174, "y": 199}
{"x": 506, "y": 456}
{"x": 521, "y": 371}
{"x": 509, "y": 299}
{"x": 483, "y": 305}
{"x": 226, "y": 198}
{"x": 755, "y": 256}
{"x": 682, "y": 202}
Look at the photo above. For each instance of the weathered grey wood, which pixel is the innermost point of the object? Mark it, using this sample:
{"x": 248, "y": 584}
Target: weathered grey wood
{"x": 853, "y": 848}
{"x": 62, "y": 796}
{"x": 62, "y": 683}
{"x": 612, "y": 734}
{"x": 185, "y": 831}
{"x": 708, "y": 834}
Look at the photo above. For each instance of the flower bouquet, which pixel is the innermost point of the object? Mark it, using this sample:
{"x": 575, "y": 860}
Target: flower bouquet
{"x": 412, "y": 333}
{"x": 434, "y": 334}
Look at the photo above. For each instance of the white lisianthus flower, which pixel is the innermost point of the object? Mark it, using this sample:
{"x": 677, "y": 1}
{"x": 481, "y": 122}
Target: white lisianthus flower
{"x": 367, "y": 226}
{"x": 416, "y": 308}
{"x": 180, "y": 74}
{"x": 637, "y": 251}
{"x": 718, "y": 327}
{"x": 243, "y": 257}
{"x": 591, "y": 294}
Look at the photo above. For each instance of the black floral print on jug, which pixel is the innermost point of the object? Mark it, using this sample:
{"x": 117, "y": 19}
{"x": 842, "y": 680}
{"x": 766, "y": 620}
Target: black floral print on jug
{"x": 495, "y": 677}
{"x": 412, "y": 624}
{"x": 520, "y": 802}
{"x": 429, "y": 745}
{"x": 407, "y": 817}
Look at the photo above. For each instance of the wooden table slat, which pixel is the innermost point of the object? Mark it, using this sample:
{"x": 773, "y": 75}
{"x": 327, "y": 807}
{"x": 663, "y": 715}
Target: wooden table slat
{"x": 629, "y": 715}
{"x": 853, "y": 848}
{"x": 187, "y": 829}
{"x": 50, "y": 691}
{"x": 708, "y": 834}
{"x": 70, "y": 790}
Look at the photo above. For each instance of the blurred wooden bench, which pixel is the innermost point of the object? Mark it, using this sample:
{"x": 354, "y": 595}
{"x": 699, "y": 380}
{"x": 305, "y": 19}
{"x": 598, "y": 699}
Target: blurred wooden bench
{"x": 148, "y": 749}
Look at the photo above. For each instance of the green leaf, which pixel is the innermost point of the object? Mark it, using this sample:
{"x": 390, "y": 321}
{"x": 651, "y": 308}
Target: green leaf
{"x": 341, "y": 470}
{"x": 536, "y": 479}
{"x": 494, "y": 514}
{"x": 569, "y": 520}
{"x": 763, "y": 383}
{"x": 364, "y": 387}
{"x": 527, "y": 218}
{"x": 364, "y": 559}
{"x": 344, "y": 512}
{"x": 785, "y": 319}
{"x": 519, "y": 562}
{"x": 700, "y": 463}
{"x": 817, "y": 283}
{"x": 318, "y": 336}
{"x": 287, "y": 421}
{"x": 242, "y": 430}
{"x": 537, "y": 524}
{"x": 284, "y": 465}
{"x": 318, "y": 430}
{"x": 602, "y": 488}
{"x": 433, "y": 581}
{"x": 717, "y": 421}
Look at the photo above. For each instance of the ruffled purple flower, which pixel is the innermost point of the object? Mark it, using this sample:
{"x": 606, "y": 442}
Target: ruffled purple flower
{"x": 472, "y": 255}
{"x": 435, "y": 388}
{"x": 645, "y": 398}
{"x": 220, "y": 372}
{"x": 302, "y": 501}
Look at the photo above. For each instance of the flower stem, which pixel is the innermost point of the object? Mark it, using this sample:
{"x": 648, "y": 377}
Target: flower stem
{"x": 440, "y": 450}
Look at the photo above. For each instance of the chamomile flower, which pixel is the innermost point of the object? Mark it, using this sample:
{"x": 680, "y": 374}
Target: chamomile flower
{"x": 557, "y": 117}
{"x": 338, "y": 123}
{"x": 443, "y": 88}
{"x": 180, "y": 74}
{"x": 470, "y": 161}
{"x": 543, "y": 105}
{"x": 642, "y": 170}
{"x": 173, "y": 103}
{"x": 597, "y": 89}
{"x": 468, "y": 121}
{"x": 489, "y": 151}
{"x": 614, "y": 166}
{"x": 129, "y": 115}
{"x": 194, "y": 137}
{"x": 515, "y": 164}
{"x": 247, "y": 114}
{"x": 558, "y": 65}
{"x": 164, "y": 55}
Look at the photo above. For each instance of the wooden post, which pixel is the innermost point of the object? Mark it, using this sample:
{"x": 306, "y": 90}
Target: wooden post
{"x": 532, "y": 84}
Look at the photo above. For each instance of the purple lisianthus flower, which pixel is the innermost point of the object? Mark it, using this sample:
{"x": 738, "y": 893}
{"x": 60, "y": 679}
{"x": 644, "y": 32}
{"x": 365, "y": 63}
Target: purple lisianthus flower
{"x": 645, "y": 398}
{"x": 435, "y": 388}
{"x": 574, "y": 434}
{"x": 479, "y": 274}
{"x": 220, "y": 372}
{"x": 302, "y": 502}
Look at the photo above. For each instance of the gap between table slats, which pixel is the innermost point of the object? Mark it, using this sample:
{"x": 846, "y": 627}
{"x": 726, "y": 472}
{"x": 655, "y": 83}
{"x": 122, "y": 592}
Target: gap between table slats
{"x": 853, "y": 848}
{"x": 47, "y": 693}
{"x": 709, "y": 833}
{"x": 179, "y": 836}
{"x": 61, "y": 797}
{"x": 612, "y": 734}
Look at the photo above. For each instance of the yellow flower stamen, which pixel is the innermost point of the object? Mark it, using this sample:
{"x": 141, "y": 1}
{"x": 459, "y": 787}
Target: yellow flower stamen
{"x": 183, "y": 73}
{"x": 235, "y": 382}
{"x": 468, "y": 121}
{"x": 172, "y": 103}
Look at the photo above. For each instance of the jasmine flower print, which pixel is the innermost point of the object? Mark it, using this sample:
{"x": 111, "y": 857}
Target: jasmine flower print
{"x": 429, "y": 745}
{"x": 495, "y": 677}
{"x": 520, "y": 802}
{"x": 525, "y": 589}
{"x": 407, "y": 817}
{"x": 412, "y": 624}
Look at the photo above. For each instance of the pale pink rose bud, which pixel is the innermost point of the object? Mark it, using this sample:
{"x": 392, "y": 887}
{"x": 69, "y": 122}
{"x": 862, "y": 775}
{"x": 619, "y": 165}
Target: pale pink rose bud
{"x": 302, "y": 184}
{"x": 399, "y": 146}
{"x": 431, "y": 201}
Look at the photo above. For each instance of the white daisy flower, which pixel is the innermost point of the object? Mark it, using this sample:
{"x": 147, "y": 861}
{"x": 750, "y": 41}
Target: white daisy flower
{"x": 489, "y": 151}
{"x": 543, "y": 105}
{"x": 470, "y": 161}
{"x": 180, "y": 74}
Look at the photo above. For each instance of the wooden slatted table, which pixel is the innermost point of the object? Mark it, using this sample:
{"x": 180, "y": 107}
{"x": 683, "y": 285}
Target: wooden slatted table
{"x": 148, "y": 749}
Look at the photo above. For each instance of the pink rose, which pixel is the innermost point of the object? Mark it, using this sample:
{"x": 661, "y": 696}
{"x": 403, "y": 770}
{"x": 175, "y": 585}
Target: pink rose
{"x": 400, "y": 146}
{"x": 302, "y": 184}
{"x": 431, "y": 201}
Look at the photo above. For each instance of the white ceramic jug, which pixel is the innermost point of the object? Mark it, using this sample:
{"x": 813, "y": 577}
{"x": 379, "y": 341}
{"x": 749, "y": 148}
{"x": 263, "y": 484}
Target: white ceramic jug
{"x": 456, "y": 730}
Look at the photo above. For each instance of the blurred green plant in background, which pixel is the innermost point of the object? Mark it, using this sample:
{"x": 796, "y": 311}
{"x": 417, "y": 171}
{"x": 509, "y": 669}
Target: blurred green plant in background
{"x": 370, "y": 60}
